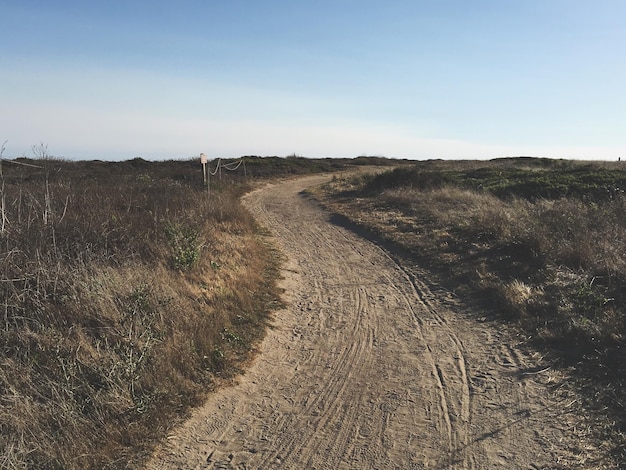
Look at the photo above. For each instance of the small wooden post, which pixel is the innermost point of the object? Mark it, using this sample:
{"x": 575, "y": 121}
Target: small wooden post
{"x": 203, "y": 160}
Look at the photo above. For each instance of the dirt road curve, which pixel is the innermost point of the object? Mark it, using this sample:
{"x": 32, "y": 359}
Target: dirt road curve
{"x": 371, "y": 369}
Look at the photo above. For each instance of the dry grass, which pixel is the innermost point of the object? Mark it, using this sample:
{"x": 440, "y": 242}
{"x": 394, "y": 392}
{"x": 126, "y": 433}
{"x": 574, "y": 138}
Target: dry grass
{"x": 555, "y": 265}
{"x": 126, "y": 294}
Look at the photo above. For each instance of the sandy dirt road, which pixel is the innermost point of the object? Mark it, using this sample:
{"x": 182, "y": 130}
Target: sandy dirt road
{"x": 371, "y": 368}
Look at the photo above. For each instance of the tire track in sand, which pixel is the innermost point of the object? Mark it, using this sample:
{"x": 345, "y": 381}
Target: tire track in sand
{"x": 365, "y": 369}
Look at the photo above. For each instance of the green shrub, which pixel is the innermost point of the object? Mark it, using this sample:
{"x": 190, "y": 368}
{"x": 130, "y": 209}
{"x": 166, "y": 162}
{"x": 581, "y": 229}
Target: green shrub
{"x": 184, "y": 244}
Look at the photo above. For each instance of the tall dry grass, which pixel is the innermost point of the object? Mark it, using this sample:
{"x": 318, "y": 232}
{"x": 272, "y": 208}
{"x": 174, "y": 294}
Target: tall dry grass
{"x": 125, "y": 295}
{"x": 574, "y": 245}
{"x": 539, "y": 244}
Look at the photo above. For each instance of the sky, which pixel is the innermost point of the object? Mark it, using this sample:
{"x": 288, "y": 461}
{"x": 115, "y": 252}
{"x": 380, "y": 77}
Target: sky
{"x": 451, "y": 79}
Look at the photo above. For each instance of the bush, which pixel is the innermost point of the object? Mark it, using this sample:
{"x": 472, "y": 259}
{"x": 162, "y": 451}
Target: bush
{"x": 184, "y": 244}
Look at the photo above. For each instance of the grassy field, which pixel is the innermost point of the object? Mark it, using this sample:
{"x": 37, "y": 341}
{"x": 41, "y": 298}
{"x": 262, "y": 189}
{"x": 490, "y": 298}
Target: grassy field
{"x": 126, "y": 295}
{"x": 539, "y": 243}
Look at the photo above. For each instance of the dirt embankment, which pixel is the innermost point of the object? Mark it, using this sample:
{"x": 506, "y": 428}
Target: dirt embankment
{"x": 372, "y": 367}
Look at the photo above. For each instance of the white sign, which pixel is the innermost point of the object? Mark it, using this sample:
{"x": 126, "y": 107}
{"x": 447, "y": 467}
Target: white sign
{"x": 203, "y": 159}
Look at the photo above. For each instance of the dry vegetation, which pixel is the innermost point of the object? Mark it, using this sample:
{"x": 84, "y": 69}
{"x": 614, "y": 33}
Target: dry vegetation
{"x": 126, "y": 295}
{"x": 539, "y": 243}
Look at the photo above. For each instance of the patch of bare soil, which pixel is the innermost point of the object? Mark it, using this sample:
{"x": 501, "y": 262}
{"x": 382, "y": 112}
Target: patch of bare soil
{"x": 370, "y": 366}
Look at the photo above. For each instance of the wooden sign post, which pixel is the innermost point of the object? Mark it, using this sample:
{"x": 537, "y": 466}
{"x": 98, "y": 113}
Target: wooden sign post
{"x": 203, "y": 160}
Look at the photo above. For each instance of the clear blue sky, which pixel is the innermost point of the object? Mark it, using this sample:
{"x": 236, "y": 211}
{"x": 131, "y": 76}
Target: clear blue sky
{"x": 402, "y": 78}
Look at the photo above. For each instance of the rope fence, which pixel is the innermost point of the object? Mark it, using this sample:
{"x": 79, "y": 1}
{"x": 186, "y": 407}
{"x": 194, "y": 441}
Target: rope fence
{"x": 230, "y": 166}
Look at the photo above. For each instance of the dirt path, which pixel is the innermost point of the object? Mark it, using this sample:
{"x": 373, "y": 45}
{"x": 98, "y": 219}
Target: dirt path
{"x": 371, "y": 368}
